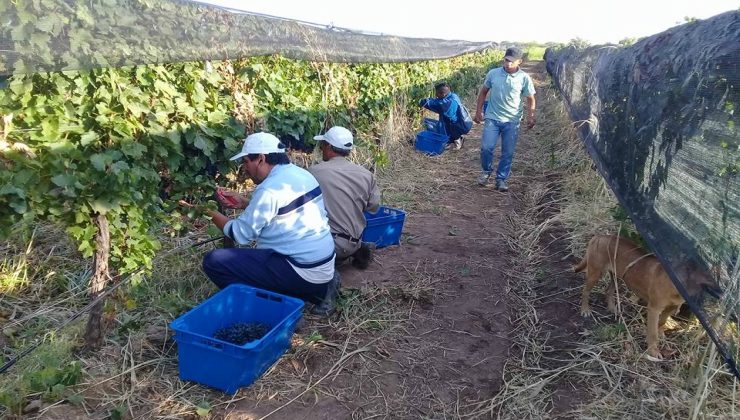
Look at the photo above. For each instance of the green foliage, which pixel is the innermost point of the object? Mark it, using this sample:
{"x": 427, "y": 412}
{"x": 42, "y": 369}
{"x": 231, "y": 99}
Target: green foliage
{"x": 102, "y": 142}
{"x": 534, "y": 52}
{"x": 203, "y": 409}
{"x": 626, "y": 228}
{"x": 314, "y": 337}
{"x": 609, "y": 332}
{"x": 301, "y": 99}
{"x": 117, "y": 413}
{"x": 51, "y": 380}
{"x": 111, "y": 141}
{"x": 626, "y": 42}
{"x": 174, "y": 304}
{"x": 579, "y": 43}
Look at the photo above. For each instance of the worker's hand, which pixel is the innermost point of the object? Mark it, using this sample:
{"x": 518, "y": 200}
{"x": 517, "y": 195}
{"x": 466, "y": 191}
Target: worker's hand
{"x": 531, "y": 121}
{"x": 194, "y": 210}
{"x": 478, "y": 117}
{"x": 230, "y": 199}
{"x": 186, "y": 204}
{"x": 423, "y": 102}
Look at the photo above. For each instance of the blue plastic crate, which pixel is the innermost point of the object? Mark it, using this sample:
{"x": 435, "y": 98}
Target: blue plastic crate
{"x": 226, "y": 366}
{"x": 431, "y": 143}
{"x": 384, "y": 227}
{"x": 430, "y": 124}
{"x": 433, "y": 139}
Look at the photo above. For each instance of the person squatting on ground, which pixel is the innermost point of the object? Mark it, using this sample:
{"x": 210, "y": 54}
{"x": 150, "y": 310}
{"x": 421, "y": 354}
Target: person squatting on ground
{"x": 451, "y": 112}
{"x": 349, "y": 190}
{"x": 294, "y": 253}
{"x": 507, "y": 85}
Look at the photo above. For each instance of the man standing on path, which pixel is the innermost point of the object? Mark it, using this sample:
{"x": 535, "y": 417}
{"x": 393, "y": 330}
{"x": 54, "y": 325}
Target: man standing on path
{"x": 507, "y": 85}
{"x": 349, "y": 189}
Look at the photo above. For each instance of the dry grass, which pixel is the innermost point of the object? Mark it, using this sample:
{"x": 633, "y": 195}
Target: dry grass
{"x": 39, "y": 261}
{"x": 523, "y": 394}
{"x": 604, "y": 364}
{"x": 42, "y": 281}
{"x": 404, "y": 185}
{"x": 135, "y": 373}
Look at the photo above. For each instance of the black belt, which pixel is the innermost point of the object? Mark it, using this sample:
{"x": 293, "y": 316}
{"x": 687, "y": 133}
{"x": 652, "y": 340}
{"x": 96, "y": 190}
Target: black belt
{"x": 313, "y": 264}
{"x": 347, "y": 237}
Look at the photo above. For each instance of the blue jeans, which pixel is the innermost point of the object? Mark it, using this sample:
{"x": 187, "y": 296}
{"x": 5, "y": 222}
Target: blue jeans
{"x": 509, "y": 133}
{"x": 260, "y": 268}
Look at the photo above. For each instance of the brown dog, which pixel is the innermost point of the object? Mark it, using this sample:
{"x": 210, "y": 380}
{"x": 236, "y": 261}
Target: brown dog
{"x": 643, "y": 274}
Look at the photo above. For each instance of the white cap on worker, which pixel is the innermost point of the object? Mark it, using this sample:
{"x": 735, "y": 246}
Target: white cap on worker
{"x": 338, "y": 137}
{"x": 260, "y": 144}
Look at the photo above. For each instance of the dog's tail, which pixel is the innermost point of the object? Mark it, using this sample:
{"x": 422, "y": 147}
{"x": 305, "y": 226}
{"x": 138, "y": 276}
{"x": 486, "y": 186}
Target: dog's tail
{"x": 580, "y": 266}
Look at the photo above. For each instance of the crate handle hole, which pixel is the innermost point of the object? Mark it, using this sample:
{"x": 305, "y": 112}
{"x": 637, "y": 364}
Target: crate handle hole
{"x": 213, "y": 344}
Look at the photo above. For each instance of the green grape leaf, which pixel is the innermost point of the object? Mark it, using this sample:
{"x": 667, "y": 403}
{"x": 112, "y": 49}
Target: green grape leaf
{"x": 64, "y": 180}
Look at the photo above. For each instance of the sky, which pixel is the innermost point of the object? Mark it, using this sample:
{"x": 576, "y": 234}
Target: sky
{"x": 596, "y": 21}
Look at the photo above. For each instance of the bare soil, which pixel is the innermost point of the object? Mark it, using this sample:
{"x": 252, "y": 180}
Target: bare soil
{"x": 448, "y": 276}
{"x": 450, "y": 273}
{"x": 424, "y": 332}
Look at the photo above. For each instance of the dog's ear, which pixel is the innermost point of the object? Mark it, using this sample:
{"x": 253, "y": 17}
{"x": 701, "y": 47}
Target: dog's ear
{"x": 697, "y": 277}
{"x": 711, "y": 286}
{"x": 714, "y": 291}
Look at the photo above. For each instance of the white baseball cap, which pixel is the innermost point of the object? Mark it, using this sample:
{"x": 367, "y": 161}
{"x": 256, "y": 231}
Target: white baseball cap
{"x": 260, "y": 144}
{"x": 338, "y": 137}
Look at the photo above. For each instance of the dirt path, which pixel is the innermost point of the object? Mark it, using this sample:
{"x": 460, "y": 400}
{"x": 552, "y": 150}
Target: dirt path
{"x": 545, "y": 290}
{"x": 444, "y": 356}
{"x": 450, "y": 342}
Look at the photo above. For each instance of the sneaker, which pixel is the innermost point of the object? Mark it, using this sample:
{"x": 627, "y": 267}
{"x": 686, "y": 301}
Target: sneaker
{"x": 458, "y": 144}
{"x": 501, "y": 185}
{"x": 327, "y": 305}
{"x": 483, "y": 178}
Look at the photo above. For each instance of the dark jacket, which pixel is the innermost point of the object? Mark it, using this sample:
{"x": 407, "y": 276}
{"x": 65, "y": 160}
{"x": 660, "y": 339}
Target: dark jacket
{"x": 452, "y": 113}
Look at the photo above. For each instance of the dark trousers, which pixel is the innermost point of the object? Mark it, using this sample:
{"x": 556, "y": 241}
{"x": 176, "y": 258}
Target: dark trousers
{"x": 261, "y": 268}
{"x": 453, "y": 130}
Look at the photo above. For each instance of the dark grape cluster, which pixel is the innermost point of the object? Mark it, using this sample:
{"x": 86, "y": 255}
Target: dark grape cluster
{"x": 242, "y": 332}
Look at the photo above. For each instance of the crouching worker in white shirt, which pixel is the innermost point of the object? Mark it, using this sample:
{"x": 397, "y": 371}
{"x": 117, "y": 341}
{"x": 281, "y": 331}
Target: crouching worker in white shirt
{"x": 287, "y": 220}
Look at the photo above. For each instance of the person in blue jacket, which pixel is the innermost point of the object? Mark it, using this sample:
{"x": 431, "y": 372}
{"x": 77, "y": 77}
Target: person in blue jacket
{"x": 452, "y": 113}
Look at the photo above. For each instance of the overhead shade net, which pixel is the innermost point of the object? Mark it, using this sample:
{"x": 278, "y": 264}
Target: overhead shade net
{"x": 660, "y": 120}
{"x": 58, "y": 35}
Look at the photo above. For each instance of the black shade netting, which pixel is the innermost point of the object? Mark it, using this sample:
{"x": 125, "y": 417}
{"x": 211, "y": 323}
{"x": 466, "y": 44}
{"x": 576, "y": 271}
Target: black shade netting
{"x": 660, "y": 120}
{"x": 58, "y": 35}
